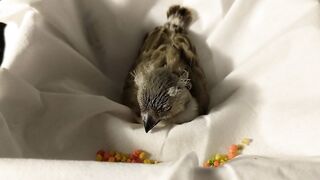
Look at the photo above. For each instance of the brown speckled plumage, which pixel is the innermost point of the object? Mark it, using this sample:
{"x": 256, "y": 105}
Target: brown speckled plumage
{"x": 166, "y": 77}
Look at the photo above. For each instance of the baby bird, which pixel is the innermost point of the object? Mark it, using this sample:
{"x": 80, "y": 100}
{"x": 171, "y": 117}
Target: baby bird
{"x": 166, "y": 83}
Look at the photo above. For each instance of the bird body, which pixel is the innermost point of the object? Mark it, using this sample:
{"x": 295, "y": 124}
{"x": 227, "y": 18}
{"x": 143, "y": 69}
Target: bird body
{"x": 166, "y": 82}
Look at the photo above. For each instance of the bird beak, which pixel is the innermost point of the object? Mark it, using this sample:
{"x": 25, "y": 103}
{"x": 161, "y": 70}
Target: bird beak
{"x": 149, "y": 122}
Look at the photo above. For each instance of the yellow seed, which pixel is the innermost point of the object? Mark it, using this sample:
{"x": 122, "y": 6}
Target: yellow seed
{"x": 123, "y": 159}
{"x": 226, "y": 158}
{"x": 111, "y": 159}
{"x": 246, "y": 141}
{"x": 218, "y": 157}
{"x": 99, "y": 157}
{"x": 142, "y": 155}
{"x": 117, "y": 157}
{"x": 147, "y": 161}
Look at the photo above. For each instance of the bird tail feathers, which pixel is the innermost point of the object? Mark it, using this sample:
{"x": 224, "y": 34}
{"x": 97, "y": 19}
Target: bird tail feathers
{"x": 179, "y": 17}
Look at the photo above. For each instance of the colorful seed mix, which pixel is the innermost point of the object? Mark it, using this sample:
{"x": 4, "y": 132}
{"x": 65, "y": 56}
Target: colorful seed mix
{"x": 233, "y": 151}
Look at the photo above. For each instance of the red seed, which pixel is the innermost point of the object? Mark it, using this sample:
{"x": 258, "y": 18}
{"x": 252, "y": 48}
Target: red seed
{"x": 216, "y": 163}
{"x": 137, "y": 152}
{"x": 106, "y": 156}
{"x": 231, "y": 155}
{"x": 132, "y": 156}
{"x": 112, "y": 159}
{"x": 136, "y": 160}
{"x": 206, "y": 164}
{"x": 233, "y": 148}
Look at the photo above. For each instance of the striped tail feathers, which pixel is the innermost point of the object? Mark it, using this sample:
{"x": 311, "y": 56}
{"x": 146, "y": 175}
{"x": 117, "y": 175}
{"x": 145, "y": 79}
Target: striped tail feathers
{"x": 179, "y": 18}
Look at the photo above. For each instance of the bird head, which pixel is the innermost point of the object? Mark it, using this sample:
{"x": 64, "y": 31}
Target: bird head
{"x": 162, "y": 95}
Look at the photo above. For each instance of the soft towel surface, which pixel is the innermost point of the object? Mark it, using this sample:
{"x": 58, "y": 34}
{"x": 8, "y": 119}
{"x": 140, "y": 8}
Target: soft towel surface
{"x": 65, "y": 64}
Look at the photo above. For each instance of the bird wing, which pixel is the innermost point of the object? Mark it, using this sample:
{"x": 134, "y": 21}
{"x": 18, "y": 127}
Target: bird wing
{"x": 188, "y": 56}
{"x": 175, "y": 50}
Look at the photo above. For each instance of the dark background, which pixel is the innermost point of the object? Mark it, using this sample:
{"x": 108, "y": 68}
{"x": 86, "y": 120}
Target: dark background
{"x": 1, "y": 41}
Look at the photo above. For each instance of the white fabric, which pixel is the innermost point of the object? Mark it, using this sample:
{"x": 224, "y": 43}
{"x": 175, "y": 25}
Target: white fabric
{"x": 64, "y": 67}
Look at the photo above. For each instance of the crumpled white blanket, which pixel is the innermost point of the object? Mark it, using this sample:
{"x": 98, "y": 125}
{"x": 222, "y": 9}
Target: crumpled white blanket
{"x": 65, "y": 63}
